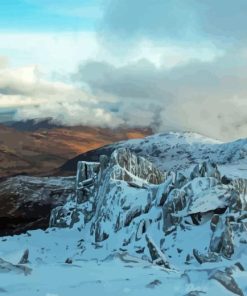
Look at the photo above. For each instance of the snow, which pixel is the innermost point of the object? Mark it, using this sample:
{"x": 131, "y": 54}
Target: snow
{"x": 115, "y": 276}
{"x": 180, "y": 151}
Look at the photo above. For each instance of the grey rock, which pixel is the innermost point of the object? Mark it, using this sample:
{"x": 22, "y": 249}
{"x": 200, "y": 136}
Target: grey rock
{"x": 24, "y": 258}
{"x": 208, "y": 258}
{"x": 156, "y": 254}
{"x": 128, "y": 164}
{"x": 132, "y": 214}
{"x": 6, "y": 266}
{"x": 227, "y": 281}
{"x": 153, "y": 284}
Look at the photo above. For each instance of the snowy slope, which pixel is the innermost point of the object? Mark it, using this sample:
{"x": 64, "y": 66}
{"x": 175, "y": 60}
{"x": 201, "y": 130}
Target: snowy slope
{"x": 124, "y": 275}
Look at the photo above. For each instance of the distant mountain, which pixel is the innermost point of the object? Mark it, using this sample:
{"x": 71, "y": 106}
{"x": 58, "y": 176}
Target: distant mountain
{"x": 32, "y": 125}
{"x": 38, "y": 148}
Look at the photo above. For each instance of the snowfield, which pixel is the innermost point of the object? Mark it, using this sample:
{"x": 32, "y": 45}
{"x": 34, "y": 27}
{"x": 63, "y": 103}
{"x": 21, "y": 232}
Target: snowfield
{"x": 170, "y": 219}
{"x": 51, "y": 276}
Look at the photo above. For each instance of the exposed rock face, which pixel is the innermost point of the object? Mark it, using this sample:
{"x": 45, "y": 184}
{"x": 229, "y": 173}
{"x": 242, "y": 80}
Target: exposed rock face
{"x": 129, "y": 167}
{"x": 125, "y": 198}
{"x": 201, "y": 195}
{"x": 26, "y": 202}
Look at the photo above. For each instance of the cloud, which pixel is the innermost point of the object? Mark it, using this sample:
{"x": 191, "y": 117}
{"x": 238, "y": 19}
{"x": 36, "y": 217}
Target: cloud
{"x": 35, "y": 97}
{"x": 205, "y": 97}
{"x": 3, "y": 62}
{"x": 171, "y": 65}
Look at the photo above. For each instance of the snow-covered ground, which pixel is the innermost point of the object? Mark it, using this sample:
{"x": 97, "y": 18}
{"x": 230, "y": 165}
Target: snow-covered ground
{"x": 51, "y": 276}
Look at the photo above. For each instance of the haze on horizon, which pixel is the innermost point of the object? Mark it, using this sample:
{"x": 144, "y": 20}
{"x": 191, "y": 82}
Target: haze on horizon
{"x": 166, "y": 64}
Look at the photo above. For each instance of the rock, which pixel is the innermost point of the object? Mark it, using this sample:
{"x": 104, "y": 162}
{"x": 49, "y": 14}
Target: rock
{"x": 132, "y": 214}
{"x": 239, "y": 266}
{"x": 142, "y": 228}
{"x": 100, "y": 234}
{"x": 6, "y": 266}
{"x": 205, "y": 169}
{"x": 175, "y": 203}
{"x": 24, "y": 258}
{"x": 214, "y": 222}
{"x": 209, "y": 258}
{"x": 209, "y": 169}
{"x": 69, "y": 261}
{"x": 153, "y": 284}
{"x": 198, "y": 198}
{"x": 180, "y": 180}
{"x": 128, "y": 167}
{"x": 195, "y": 293}
{"x": 163, "y": 191}
{"x": 86, "y": 171}
{"x": 227, "y": 281}
{"x": 222, "y": 240}
{"x": 225, "y": 180}
{"x": 104, "y": 161}
{"x": 156, "y": 255}
{"x": 227, "y": 249}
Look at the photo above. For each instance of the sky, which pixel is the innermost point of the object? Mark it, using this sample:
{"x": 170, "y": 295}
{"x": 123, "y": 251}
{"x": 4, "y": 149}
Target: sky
{"x": 167, "y": 64}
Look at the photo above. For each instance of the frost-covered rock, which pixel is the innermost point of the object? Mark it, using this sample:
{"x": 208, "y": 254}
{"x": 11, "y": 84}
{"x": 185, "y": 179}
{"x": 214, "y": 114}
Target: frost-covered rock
{"x": 129, "y": 167}
{"x": 196, "y": 199}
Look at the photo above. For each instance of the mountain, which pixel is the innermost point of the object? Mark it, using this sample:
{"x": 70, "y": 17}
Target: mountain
{"x": 153, "y": 225}
{"x": 175, "y": 151}
{"x": 33, "y": 125}
{"x": 26, "y": 202}
{"x": 39, "y": 148}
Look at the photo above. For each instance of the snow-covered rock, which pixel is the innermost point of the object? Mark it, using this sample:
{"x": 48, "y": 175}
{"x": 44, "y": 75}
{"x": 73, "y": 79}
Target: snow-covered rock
{"x": 122, "y": 215}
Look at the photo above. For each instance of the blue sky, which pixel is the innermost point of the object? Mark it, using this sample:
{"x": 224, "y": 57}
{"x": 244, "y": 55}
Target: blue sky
{"x": 43, "y": 15}
{"x": 168, "y": 64}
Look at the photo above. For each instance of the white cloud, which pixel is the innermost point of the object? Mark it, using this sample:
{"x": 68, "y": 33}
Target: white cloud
{"x": 34, "y": 97}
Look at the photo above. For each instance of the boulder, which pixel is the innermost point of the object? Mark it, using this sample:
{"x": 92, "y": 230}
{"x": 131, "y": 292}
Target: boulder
{"x": 227, "y": 281}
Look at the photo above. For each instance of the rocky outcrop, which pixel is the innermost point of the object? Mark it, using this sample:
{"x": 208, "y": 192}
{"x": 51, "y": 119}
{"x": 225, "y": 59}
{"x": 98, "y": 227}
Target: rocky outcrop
{"x": 126, "y": 197}
{"x": 26, "y": 202}
{"x": 129, "y": 167}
